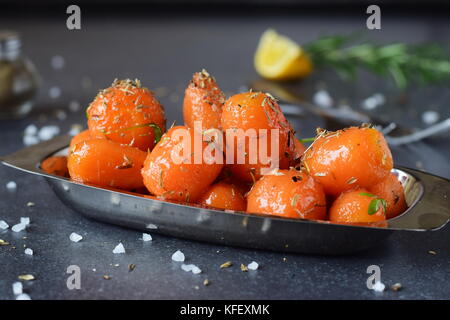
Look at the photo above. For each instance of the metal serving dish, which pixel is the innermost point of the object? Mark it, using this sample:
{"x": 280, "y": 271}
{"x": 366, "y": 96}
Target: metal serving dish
{"x": 427, "y": 196}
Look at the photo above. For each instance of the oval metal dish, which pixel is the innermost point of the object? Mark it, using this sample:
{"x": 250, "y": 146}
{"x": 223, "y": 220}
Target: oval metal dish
{"x": 427, "y": 197}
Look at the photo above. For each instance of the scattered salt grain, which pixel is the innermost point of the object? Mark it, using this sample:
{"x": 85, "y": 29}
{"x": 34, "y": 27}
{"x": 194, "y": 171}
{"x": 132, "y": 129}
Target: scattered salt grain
{"x": 61, "y": 115}
{"x": 19, "y": 227}
{"x": 119, "y": 249}
{"x": 57, "y": 62}
{"x": 30, "y": 130}
{"x": 75, "y": 129}
{"x": 373, "y": 101}
{"x": 178, "y": 256}
{"x": 378, "y": 287}
{"x": 25, "y": 220}
{"x": 253, "y": 266}
{"x": 191, "y": 268}
{"x": 30, "y": 140}
{"x": 115, "y": 199}
{"x": 75, "y": 237}
{"x": 323, "y": 99}
{"x": 54, "y": 92}
{"x": 17, "y": 288}
{"x": 30, "y": 204}
{"x": 48, "y": 132}
{"x": 74, "y": 106}
{"x": 29, "y": 251}
{"x": 11, "y": 186}
{"x": 146, "y": 237}
{"x": 3, "y": 225}
{"x": 151, "y": 226}
{"x": 23, "y": 296}
{"x": 430, "y": 117}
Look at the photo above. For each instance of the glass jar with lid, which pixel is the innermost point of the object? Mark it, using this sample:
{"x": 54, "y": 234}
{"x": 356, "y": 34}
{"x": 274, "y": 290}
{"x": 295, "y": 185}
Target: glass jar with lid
{"x": 18, "y": 78}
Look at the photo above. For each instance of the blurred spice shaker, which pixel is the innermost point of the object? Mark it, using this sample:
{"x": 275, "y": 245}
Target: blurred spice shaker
{"x": 18, "y": 78}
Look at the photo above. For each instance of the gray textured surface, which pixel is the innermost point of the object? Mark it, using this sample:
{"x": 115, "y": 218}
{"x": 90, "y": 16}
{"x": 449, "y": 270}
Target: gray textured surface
{"x": 163, "y": 52}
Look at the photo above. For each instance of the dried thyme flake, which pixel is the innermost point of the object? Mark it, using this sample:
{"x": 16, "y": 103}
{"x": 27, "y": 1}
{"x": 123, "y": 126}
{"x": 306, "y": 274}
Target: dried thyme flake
{"x": 131, "y": 267}
{"x": 396, "y": 287}
{"x": 4, "y": 243}
{"x": 206, "y": 282}
{"x": 320, "y": 174}
{"x": 106, "y": 277}
{"x": 26, "y": 277}
{"x": 244, "y": 268}
{"x": 294, "y": 200}
{"x": 352, "y": 180}
{"x": 226, "y": 264}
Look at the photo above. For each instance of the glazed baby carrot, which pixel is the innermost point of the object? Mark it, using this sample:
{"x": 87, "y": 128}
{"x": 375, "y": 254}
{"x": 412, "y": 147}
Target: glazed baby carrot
{"x": 288, "y": 194}
{"x": 170, "y": 170}
{"x": 255, "y": 111}
{"x": 55, "y": 165}
{"x": 106, "y": 163}
{"x": 203, "y": 101}
{"x": 127, "y": 113}
{"x": 348, "y": 158}
{"x": 391, "y": 190}
{"x": 358, "y": 206}
{"x": 224, "y": 196}
{"x": 82, "y": 136}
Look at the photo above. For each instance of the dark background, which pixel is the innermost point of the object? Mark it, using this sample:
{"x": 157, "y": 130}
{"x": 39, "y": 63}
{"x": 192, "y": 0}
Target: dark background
{"x": 163, "y": 44}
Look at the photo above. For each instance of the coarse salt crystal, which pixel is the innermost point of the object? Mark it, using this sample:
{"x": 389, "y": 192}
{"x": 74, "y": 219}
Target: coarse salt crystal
{"x": 57, "y": 62}
{"x": 178, "y": 256}
{"x": 30, "y": 140}
{"x": 430, "y": 117}
{"x": 373, "y": 101}
{"x": 17, "y": 288}
{"x": 253, "y": 266}
{"x": 191, "y": 267}
{"x": 25, "y": 220}
{"x": 30, "y": 130}
{"x": 119, "y": 248}
{"x": 323, "y": 99}
{"x": 48, "y": 132}
{"x": 151, "y": 226}
{"x": 378, "y": 287}
{"x": 74, "y": 106}
{"x": 54, "y": 92}
{"x": 61, "y": 115}
{"x": 19, "y": 227}
{"x": 75, "y": 237}
{"x": 29, "y": 251}
{"x": 11, "y": 186}
{"x": 23, "y": 296}
{"x": 146, "y": 237}
{"x": 3, "y": 225}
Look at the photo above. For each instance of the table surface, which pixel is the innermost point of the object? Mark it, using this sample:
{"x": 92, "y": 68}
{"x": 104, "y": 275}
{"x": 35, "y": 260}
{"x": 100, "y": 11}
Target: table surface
{"x": 163, "y": 51}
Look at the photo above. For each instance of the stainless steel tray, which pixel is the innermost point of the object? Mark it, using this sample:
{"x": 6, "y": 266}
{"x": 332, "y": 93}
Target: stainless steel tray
{"x": 427, "y": 196}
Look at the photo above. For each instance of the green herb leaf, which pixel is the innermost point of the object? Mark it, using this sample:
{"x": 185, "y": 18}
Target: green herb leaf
{"x": 306, "y": 140}
{"x": 404, "y": 63}
{"x": 375, "y": 206}
{"x": 367, "y": 194}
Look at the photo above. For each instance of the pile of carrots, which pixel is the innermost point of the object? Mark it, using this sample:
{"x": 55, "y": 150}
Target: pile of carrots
{"x": 343, "y": 176}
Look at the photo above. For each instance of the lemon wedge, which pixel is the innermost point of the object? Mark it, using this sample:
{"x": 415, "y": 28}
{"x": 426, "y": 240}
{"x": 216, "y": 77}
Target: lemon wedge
{"x": 279, "y": 58}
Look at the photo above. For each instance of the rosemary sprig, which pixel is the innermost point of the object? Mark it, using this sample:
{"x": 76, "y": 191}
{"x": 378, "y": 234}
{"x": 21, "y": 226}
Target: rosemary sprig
{"x": 424, "y": 64}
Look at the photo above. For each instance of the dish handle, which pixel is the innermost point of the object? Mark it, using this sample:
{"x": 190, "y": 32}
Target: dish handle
{"x": 432, "y": 210}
